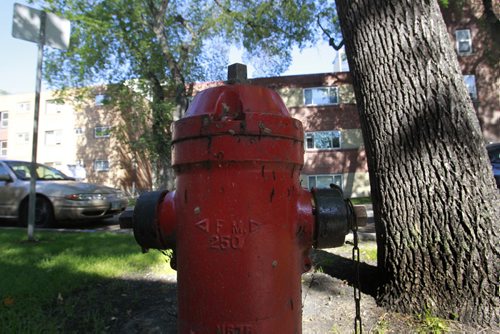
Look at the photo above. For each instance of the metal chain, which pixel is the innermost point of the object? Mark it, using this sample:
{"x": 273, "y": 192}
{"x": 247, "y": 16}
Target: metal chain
{"x": 358, "y": 327}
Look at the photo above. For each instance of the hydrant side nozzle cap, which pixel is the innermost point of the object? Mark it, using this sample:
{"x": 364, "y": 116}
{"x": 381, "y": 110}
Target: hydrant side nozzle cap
{"x": 146, "y": 230}
{"x": 331, "y": 217}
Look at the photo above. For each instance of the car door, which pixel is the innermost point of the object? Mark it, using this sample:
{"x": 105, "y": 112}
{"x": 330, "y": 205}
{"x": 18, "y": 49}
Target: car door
{"x": 11, "y": 193}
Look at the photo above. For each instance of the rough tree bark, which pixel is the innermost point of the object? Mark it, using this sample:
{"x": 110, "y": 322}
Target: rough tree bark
{"x": 436, "y": 207}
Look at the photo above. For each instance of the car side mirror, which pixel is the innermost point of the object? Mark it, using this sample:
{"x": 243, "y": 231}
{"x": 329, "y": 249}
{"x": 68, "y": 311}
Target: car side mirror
{"x": 5, "y": 177}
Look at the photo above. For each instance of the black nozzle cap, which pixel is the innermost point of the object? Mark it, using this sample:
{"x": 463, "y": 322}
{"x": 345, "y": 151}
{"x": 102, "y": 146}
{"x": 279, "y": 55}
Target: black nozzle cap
{"x": 145, "y": 221}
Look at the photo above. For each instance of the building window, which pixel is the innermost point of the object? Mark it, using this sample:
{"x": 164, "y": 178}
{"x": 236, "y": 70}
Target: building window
{"x": 53, "y": 107}
{"x": 4, "y": 119}
{"x": 53, "y": 137}
{"x": 3, "y": 148}
{"x": 470, "y": 83}
{"x": 23, "y": 107}
{"x": 22, "y": 137}
{"x": 78, "y": 131}
{"x": 323, "y": 140}
{"x": 464, "y": 42}
{"x": 324, "y": 181}
{"x": 102, "y": 131}
{"x": 321, "y": 96}
{"x": 101, "y": 165}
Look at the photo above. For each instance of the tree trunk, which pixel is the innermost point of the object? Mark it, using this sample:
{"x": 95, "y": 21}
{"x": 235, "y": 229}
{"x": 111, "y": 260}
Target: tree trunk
{"x": 435, "y": 202}
{"x": 162, "y": 136}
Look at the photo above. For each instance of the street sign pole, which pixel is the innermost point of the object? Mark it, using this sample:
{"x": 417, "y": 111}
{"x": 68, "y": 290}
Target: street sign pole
{"x": 43, "y": 28}
{"x": 32, "y": 196}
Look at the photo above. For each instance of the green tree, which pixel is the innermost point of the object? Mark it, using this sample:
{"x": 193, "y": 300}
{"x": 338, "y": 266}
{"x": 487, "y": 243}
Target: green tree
{"x": 157, "y": 48}
{"x": 436, "y": 215}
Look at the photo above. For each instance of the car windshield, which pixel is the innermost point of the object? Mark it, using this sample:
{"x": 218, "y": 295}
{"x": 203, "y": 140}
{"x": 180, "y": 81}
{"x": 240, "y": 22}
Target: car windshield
{"x": 22, "y": 171}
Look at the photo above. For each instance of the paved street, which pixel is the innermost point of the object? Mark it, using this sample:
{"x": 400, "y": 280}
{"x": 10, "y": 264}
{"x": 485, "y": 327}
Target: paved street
{"x": 110, "y": 224}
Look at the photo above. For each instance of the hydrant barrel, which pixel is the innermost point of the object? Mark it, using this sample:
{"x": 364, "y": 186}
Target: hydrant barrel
{"x": 237, "y": 155}
{"x": 240, "y": 225}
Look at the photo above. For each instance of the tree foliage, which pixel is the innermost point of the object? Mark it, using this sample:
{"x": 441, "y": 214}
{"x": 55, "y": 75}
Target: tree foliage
{"x": 164, "y": 45}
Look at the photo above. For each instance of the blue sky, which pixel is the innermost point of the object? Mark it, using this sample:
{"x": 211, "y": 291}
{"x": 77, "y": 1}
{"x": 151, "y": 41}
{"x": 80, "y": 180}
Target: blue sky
{"x": 18, "y": 57}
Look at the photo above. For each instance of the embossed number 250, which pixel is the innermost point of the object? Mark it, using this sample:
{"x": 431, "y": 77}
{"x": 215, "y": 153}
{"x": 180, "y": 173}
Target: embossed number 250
{"x": 226, "y": 241}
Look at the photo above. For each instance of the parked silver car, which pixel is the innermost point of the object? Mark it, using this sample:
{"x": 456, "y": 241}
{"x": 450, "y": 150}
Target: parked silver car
{"x": 59, "y": 197}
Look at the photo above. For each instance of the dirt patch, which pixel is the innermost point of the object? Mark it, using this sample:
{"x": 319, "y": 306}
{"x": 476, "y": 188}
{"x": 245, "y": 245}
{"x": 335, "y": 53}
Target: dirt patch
{"x": 328, "y": 306}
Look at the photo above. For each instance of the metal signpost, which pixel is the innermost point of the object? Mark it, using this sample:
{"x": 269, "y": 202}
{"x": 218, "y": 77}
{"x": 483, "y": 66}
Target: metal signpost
{"x": 37, "y": 26}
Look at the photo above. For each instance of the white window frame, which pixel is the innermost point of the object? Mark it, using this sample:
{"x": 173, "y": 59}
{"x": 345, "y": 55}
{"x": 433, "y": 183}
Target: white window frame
{"x": 53, "y": 137}
{"x": 310, "y": 137}
{"x": 470, "y": 83}
{"x": 23, "y": 107}
{"x": 4, "y": 119}
{"x": 3, "y": 148}
{"x": 463, "y": 36}
{"x": 104, "y": 129}
{"x": 320, "y": 100}
{"x": 337, "y": 179}
{"x": 101, "y": 165}
{"x": 53, "y": 108}
{"x": 22, "y": 137}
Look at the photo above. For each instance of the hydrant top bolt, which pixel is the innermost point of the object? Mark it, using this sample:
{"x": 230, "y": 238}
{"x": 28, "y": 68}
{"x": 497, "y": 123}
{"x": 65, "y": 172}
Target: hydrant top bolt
{"x": 236, "y": 73}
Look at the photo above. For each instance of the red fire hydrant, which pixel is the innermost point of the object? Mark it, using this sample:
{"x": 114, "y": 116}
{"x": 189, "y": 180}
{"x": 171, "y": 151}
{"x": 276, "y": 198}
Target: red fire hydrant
{"x": 239, "y": 222}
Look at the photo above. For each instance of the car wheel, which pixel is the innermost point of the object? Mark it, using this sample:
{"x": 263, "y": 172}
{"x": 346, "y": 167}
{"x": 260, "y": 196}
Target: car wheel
{"x": 44, "y": 214}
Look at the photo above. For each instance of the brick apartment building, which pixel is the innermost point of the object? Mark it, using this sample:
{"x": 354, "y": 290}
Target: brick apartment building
{"x": 79, "y": 133}
{"x": 17, "y": 112}
{"x": 69, "y": 133}
{"x": 325, "y": 105}
{"x": 473, "y": 37}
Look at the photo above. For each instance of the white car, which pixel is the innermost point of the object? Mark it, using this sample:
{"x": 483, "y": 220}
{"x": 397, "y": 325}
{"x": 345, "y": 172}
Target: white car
{"x": 58, "y": 197}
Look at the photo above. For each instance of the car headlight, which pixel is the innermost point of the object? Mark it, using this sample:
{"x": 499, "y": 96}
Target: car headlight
{"x": 84, "y": 197}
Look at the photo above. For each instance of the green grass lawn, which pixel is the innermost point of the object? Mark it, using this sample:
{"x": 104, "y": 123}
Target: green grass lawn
{"x": 36, "y": 275}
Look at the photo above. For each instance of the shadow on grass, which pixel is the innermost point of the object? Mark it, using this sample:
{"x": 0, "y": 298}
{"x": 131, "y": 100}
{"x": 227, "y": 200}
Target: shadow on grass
{"x": 130, "y": 305}
{"x": 63, "y": 284}
{"x": 344, "y": 269}
{"x": 135, "y": 305}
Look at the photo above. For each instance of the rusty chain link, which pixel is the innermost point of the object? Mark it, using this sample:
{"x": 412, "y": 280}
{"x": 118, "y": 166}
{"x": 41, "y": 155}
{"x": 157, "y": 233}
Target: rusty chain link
{"x": 358, "y": 327}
